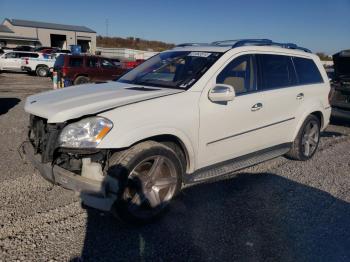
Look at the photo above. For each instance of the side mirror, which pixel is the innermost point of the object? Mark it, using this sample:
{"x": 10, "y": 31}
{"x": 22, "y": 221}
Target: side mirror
{"x": 221, "y": 93}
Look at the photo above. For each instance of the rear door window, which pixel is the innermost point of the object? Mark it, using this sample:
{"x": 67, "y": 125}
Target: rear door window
{"x": 75, "y": 61}
{"x": 92, "y": 62}
{"x": 20, "y": 55}
{"x": 276, "y": 71}
{"x": 34, "y": 55}
{"x": 307, "y": 71}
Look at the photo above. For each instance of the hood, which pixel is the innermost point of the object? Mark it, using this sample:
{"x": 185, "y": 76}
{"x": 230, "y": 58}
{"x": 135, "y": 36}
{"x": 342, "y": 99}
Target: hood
{"x": 76, "y": 101}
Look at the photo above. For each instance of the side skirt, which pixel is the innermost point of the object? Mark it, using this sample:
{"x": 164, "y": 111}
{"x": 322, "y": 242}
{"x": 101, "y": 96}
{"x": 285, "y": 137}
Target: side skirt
{"x": 236, "y": 164}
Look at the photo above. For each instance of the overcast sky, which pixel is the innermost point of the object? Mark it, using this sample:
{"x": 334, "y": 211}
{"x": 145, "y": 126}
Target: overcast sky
{"x": 322, "y": 26}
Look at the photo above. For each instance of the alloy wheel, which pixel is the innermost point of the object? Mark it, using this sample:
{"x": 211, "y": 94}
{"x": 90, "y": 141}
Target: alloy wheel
{"x": 151, "y": 185}
{"x": 310, "y": 138}
{"x": 42, "y": 72}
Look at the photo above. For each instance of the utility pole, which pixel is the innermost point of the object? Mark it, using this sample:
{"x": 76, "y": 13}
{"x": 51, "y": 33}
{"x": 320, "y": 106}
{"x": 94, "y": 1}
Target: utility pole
{"x": 107, "y": 24}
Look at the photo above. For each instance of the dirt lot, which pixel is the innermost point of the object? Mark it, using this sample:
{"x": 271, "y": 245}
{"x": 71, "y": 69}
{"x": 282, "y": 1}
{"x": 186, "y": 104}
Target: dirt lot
{"x": 277, "y": 211}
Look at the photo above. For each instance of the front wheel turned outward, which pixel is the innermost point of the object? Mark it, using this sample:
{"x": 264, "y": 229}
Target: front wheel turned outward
{"x": 149, "y": 176}
{"x": 307, "y": 140}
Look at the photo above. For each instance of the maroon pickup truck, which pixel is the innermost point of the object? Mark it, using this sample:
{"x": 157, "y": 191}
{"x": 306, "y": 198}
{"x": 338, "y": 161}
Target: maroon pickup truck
{"x": 81, "y": 69}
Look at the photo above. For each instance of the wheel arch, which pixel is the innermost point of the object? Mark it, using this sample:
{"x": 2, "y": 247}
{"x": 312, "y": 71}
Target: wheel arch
{"x": 168, "y": 138}
{"x": 41, "y": 65}
{"x": 316, "y": 112}
{"x": 320, "y": 117}
{"x": 80, "y": 74}
{"x": 176, "y": 137}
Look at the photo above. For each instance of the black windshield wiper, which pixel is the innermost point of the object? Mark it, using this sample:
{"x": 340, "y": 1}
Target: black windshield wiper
{"x": 151, "y": 82}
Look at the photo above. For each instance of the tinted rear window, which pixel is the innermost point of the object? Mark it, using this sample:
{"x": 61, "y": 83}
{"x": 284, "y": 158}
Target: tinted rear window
{"x": 76, "y": 61}
{"x": 307, "y": 71}
{"x": 276, "y": 71}
{"x": 34, "y": 55}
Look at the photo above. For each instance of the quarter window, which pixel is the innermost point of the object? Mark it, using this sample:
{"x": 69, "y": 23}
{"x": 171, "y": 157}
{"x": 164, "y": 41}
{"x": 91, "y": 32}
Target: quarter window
{"x": 307, "y": 71}
{"x": 276, "y": 71}
{"x": 239, "y": 73}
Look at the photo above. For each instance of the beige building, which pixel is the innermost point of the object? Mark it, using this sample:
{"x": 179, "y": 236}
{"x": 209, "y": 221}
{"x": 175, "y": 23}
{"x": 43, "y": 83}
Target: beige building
{"x": 15, "y": 32}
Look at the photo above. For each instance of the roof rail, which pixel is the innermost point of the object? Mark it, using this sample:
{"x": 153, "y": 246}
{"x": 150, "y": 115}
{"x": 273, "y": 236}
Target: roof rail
{"x": 293, "y": 46}
{"x": 190, "y": 44}
{"x": 259, "y": 42}
{"x": 245, "y": 42}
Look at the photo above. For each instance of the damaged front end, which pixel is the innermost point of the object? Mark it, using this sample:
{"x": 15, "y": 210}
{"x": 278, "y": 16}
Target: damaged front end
{"x": 81, "y": 170}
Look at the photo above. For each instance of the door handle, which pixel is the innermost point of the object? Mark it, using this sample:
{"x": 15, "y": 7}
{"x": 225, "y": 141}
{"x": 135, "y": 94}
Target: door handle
{"x": 257, "y": 106}
{"x": 300, "y": 96}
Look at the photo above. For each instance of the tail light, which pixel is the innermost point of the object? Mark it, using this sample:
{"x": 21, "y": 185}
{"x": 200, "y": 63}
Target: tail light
{"x": 26, "y": 61}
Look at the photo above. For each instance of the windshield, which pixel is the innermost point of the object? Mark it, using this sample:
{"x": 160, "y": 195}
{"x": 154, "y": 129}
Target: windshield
{"x": 173, "y": 69}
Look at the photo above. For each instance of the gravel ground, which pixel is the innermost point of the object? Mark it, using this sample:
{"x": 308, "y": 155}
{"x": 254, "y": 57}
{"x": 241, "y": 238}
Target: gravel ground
{"x": 280, "y": 210}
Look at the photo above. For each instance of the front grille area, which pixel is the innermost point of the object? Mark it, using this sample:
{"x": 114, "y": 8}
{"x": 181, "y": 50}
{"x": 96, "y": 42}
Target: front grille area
{"x": 44, "y": 137}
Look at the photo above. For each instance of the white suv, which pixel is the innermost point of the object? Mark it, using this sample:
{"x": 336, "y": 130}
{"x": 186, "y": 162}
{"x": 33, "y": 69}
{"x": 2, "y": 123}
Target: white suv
{"x": 186, "y": 115}
{"x": 12, "y": 60}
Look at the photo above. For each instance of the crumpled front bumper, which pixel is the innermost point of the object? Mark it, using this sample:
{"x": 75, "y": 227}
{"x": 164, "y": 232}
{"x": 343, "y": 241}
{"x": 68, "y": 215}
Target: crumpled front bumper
{"x": 93, "y": 193}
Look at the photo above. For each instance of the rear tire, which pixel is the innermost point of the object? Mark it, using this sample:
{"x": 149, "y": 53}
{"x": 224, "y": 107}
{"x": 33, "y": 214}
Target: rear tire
{"x": 81, "y": 80}
{"x": 306, "y": 143}
{"x": 42, "y": 71}
{"x": 149, "y": 176}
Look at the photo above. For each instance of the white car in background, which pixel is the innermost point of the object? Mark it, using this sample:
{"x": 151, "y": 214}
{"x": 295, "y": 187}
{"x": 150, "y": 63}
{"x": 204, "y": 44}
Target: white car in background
{"x": 39, "y": 65}
{"x": 184, "y": 116}
{"x": 12, "y": 60}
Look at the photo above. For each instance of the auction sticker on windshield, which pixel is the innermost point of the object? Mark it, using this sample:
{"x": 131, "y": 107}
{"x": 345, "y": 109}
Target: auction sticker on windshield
{"x": 200, "y": 54}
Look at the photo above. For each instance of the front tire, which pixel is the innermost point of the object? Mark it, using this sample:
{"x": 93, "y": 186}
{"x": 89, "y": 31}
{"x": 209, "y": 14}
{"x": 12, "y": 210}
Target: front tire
{"x": 307, "y": 140}
{"x": 149, "y": 176}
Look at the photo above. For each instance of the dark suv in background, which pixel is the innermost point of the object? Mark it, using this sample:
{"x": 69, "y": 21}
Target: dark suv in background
{"x": 81, "y": 69}
{"x": 340, "y": 95}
